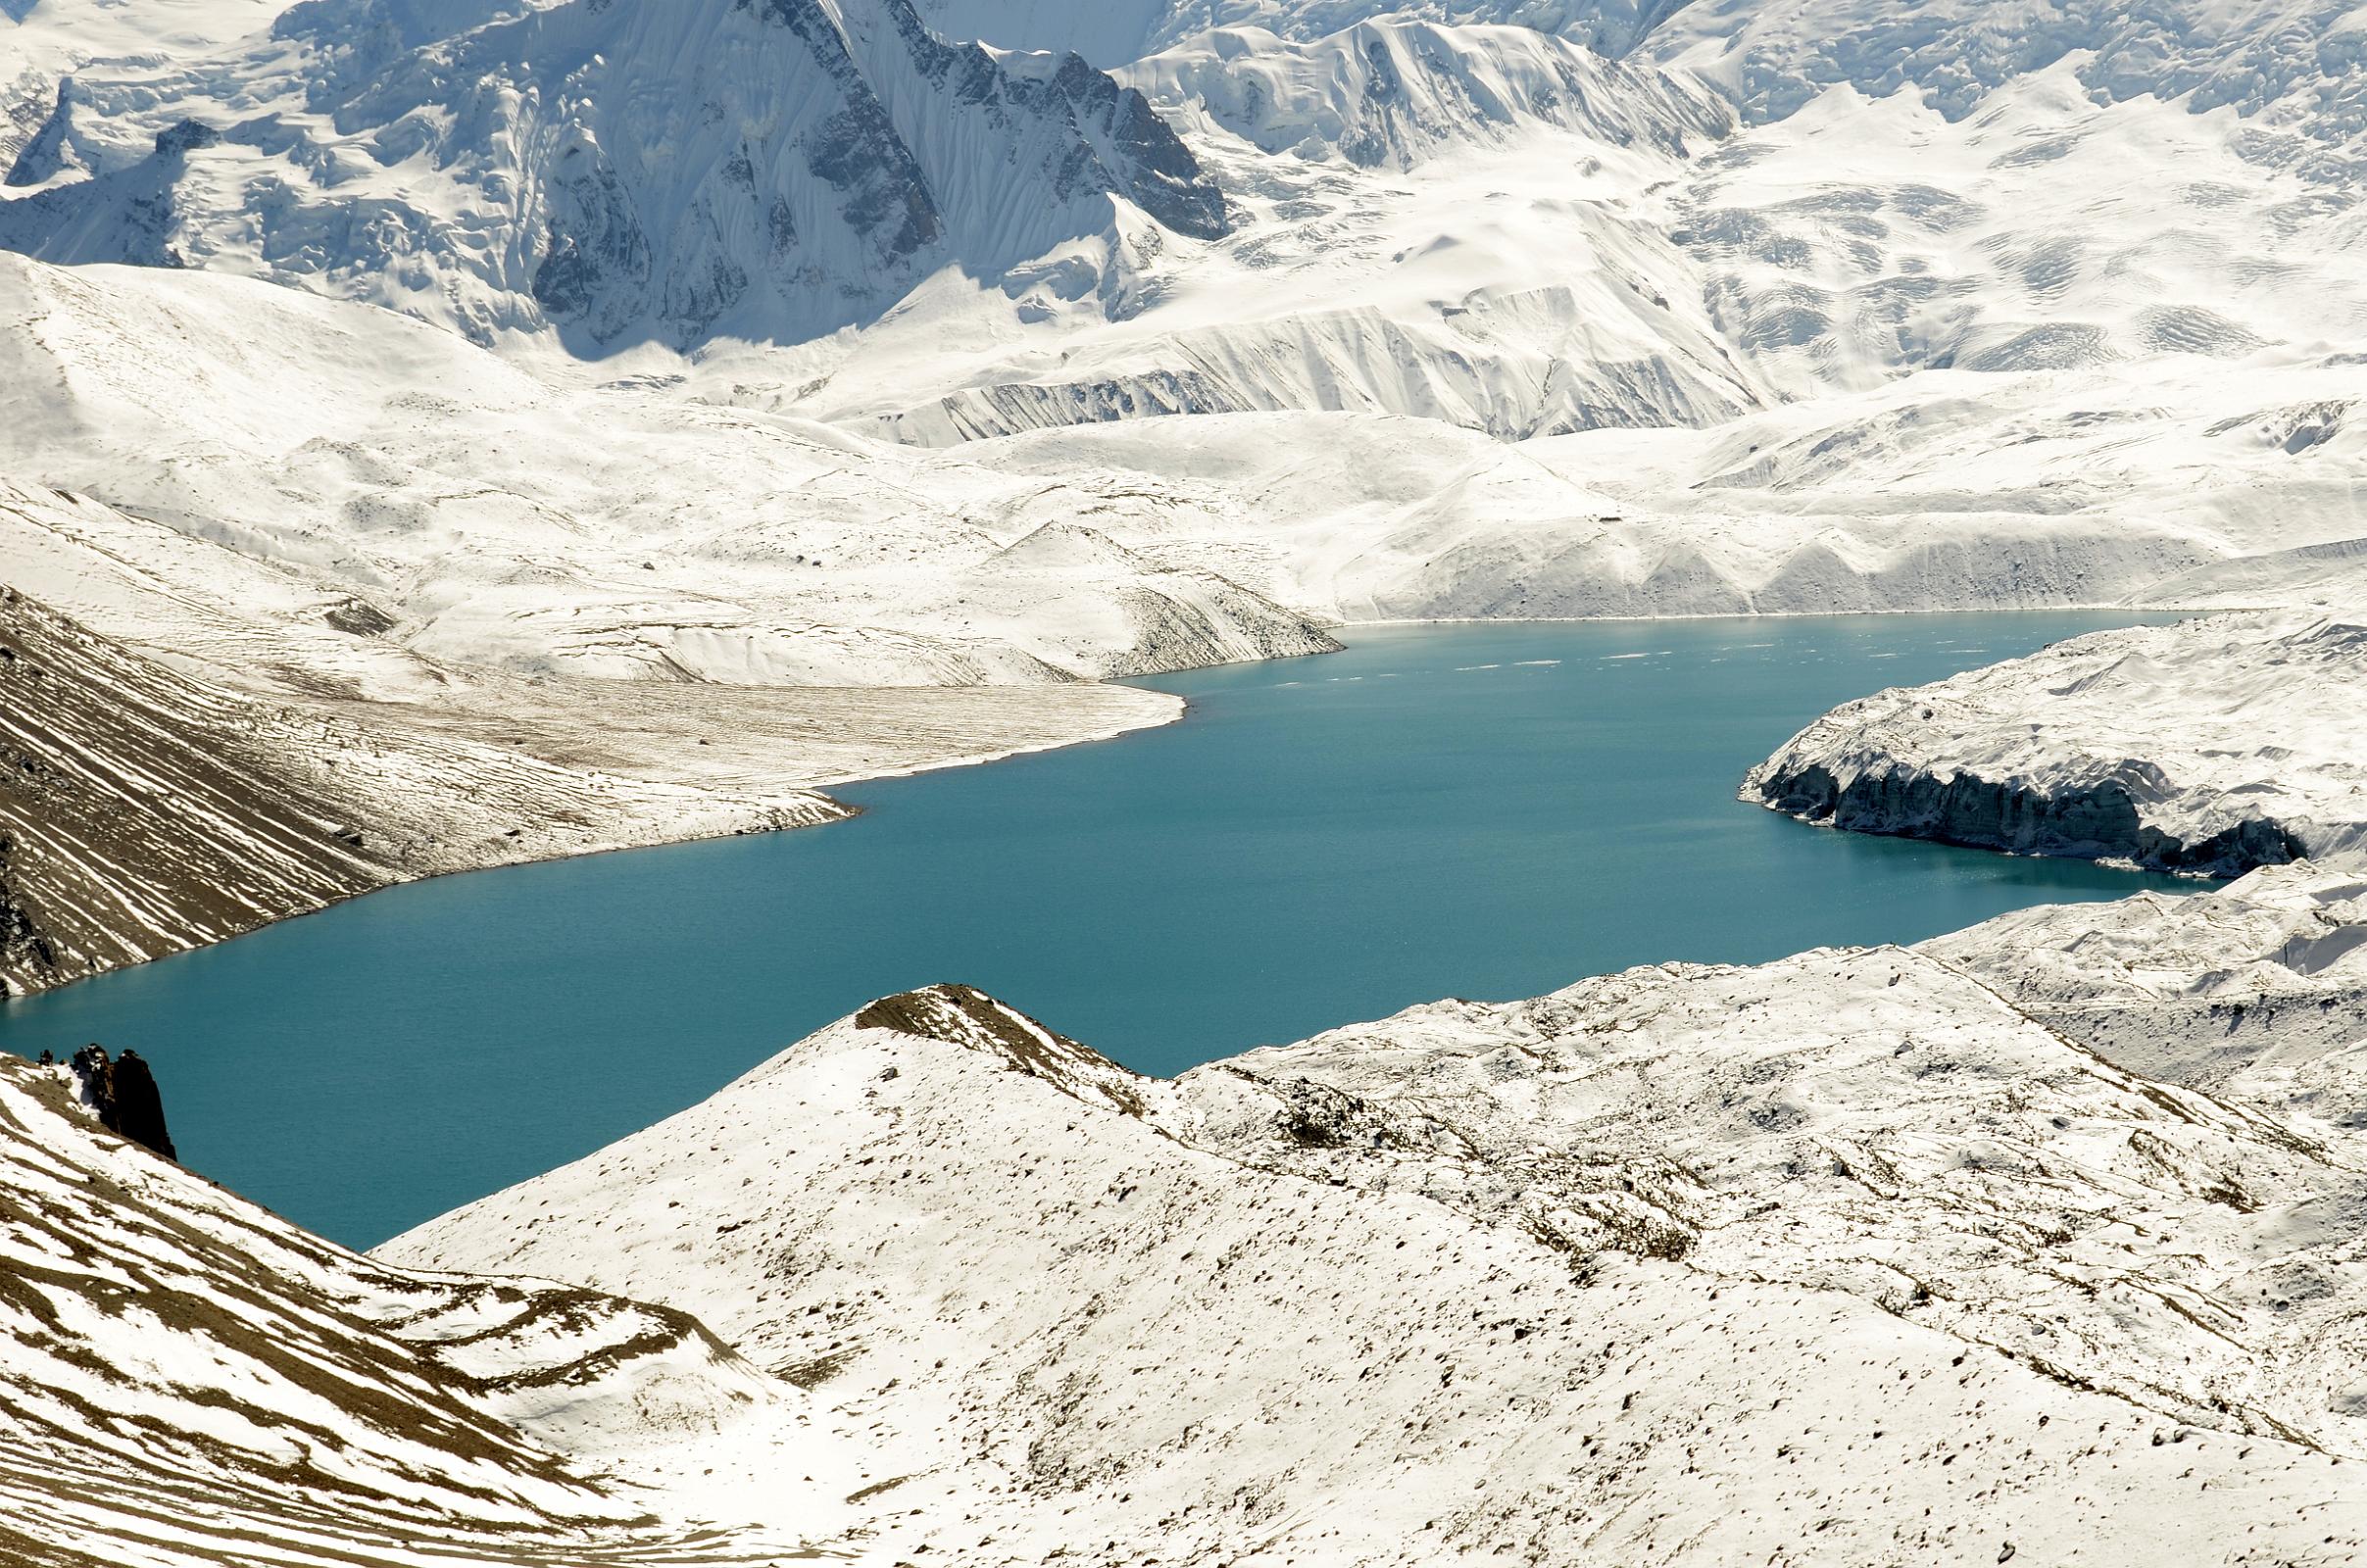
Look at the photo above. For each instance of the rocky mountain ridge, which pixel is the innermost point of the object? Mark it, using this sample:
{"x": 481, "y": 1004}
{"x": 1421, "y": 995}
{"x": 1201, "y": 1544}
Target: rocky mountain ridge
{"x": 190, "y": 1379}
{"x": 770, "y": 167}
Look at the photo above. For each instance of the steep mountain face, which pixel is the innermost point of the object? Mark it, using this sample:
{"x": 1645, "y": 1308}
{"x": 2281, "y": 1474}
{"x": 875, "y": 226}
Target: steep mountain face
{"x": 1396, "y": 93}
{"x": 772, "y": 168}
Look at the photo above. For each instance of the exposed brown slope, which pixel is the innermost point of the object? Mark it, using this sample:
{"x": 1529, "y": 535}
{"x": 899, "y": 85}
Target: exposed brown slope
{"x": 184, "y": 1377}
{"x": 144, "y": 812}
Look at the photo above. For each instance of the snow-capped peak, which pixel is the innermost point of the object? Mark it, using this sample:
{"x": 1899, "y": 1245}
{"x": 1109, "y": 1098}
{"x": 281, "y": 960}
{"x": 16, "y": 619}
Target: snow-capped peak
{"x": 623, "y": 171}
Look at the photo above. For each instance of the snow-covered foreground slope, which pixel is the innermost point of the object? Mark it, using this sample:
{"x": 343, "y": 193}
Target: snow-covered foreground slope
{"x": 188, "y": 1379}
{"x": 1679, "y": 1265}
{"x": 2257, "y": 990}
{"x": 2213, "y": 745}
{"x": 1685, "y": 1264}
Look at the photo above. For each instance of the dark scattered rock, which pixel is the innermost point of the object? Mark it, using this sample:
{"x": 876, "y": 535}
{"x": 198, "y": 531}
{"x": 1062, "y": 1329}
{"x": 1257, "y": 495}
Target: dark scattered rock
{"x": 124, "y": 1094}
{"x": 186, "y": 136}
{"x": 358, "y": 617}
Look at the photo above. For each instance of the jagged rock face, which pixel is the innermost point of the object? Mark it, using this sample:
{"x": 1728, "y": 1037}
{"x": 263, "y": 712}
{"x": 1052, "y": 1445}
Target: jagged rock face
{"x": 1395, "y": 93}
{"x": 624, "y": 171}
{"x": 2098, "y": 822}
{"x": 122, "y": 1093}
{"x": 2212, "y": 746}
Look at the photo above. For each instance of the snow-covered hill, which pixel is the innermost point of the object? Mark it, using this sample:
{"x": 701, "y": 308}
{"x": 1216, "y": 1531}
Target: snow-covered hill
{"x": 2256, "y": 991}
{"x": 1673, "y": 1267}
{"x": 546, "y": 524}
{"x": 2215, "y": 745}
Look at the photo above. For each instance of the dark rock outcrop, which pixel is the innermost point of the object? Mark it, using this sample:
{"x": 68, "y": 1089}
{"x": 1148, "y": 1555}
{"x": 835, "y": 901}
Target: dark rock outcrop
{"x": 123, "y": 1093}
{"x": 2096, "y": 823}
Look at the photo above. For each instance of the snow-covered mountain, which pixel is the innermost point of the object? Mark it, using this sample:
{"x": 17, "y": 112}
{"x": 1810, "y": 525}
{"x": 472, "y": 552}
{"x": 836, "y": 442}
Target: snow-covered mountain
{"x": 619, "y": 170}
{"x": 1120, "y": 31}
{"x": 2291, "y": 65}
{"x": 1398, "y": 92}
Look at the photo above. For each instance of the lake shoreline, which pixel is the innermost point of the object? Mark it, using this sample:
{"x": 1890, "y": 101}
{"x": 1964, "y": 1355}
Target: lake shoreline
{"x": 1488, "y": 810}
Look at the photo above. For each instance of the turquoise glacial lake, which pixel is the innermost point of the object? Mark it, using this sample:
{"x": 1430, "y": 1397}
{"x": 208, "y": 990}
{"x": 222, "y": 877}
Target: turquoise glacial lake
{"x": 1488, "y": 811}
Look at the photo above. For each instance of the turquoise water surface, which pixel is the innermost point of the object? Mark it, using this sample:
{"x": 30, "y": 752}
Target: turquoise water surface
{"x": 1488, "y": 811}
